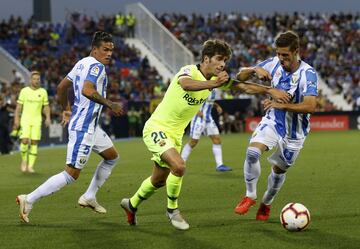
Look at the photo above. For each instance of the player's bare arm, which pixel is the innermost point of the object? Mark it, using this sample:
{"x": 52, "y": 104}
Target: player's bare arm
{"x": 189, "y": 84}
{"x": 307, "y": 106}
{"x": 253, "y": 88}
{"x": 62, "y": 98}
{"x": 246, "y": 72}
{"x": 46, "y": 111}
{"x": 90, "y": 92}
{"x": 218, "y": 108}
{"x": 18, "y": 110}
{"x": 200, "y": 114}
{"x": 62, "y": 93}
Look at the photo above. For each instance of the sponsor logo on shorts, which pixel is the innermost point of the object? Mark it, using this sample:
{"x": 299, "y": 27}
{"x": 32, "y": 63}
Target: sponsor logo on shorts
{"x": 82, "y": 160}
{"x": 193, "y": 101}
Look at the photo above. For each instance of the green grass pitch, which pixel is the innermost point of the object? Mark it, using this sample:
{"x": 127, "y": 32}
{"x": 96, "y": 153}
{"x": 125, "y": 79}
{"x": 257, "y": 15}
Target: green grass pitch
{"x": 326, "y": 179}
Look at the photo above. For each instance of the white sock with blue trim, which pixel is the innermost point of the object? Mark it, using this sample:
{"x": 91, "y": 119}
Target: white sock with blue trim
{"x": 52, "y": 185}
{"x": 102, "y": 173}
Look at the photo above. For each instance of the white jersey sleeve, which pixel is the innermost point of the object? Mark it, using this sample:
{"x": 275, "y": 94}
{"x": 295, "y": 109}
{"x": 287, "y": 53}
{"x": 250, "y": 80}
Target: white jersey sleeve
{"x": 85, "y": 113}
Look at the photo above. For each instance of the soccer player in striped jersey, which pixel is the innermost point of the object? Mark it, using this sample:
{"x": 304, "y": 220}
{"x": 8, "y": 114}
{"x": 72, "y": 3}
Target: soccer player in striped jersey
{"x": 203, "y": 123}
{"x": 30, "y": 104}
{"x": 284, "y": 126}
{"x": 89, "y": 81}
{"x": 163, "y": 132}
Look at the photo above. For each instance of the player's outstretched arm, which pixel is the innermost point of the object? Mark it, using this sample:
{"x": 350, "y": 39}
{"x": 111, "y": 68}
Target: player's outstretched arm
{"x": 253, "y": 88}
{"x": 91, "y": 93}
{"x": 246, "y": 72}
{"x": 188, "y": 84}
{"x": 308, "y": 105}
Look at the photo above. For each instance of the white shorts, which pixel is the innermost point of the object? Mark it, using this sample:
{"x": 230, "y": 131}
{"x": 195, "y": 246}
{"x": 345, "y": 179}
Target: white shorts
{"x": 287, "y": 149}
{"x": 81, "y": 143}
{"x": 199, "y": 126}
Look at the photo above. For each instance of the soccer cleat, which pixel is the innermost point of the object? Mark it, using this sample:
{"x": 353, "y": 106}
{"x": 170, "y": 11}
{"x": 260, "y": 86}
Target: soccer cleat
{"x": 25, "y": 208}
{"x": 92, "y": 203}
{"x": 23, "y": 166}
{"x": 223, "y": 168}
{"x": 263, "y": 212}
{"x": 244, "y": 205}
{"x": 130, "y": 212}
{"x": 177, "y": 220}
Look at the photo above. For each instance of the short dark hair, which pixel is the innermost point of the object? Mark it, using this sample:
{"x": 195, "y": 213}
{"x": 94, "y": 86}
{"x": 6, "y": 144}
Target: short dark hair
{"x": 288, "y": 39}
{"x": 100, "y": 36}
{"x": 215, "y": 47}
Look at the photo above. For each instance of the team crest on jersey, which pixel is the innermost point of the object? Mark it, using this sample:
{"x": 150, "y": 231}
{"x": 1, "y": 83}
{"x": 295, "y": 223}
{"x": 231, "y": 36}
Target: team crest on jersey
{"x": 162, "y": 143}
{"x": 95, "y": 71}
{"x": 82, "y": 160}
{"x": 294, "y": 79}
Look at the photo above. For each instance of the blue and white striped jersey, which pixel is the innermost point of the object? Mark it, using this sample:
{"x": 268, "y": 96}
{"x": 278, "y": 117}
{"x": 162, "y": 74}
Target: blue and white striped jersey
{"x": 303, "y": 82}
{"x": 86, "y": 113}
{"x": 206, "y": 108}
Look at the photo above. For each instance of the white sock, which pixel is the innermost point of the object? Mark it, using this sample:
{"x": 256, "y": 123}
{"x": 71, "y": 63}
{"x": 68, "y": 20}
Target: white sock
{"x": 186, "y": 152}
{"x": 217, "y": 151}
{"x": 275, "y": 182}
{"x": 51, "y": 185}
{"x": 102, "y": 173}
{"x": 252, "y": 171}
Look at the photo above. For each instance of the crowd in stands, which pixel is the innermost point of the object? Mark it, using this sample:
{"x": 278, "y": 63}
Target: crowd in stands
{"x": 53, "y": 49}
{"x": 328, "y": 42}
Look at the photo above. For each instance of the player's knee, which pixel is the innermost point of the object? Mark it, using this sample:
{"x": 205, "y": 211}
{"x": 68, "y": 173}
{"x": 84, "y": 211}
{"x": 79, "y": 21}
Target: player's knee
{"x": 193, "y": 143}
{"x": 25, "y": 141}
{"x": 278, "y": 170}
{"x": 179, "y": 169}
{"x": 253, "y": 154}
{"x": 72, "y": 171}
{"x": 216, "y": 139}
{"x": 111, "y": 162}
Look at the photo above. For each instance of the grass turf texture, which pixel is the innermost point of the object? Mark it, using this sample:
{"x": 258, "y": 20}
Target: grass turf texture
{"x": 325, "y": 179}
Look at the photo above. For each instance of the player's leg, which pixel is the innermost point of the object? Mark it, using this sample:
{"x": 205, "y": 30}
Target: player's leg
{"x": 173, "y": 187}
{"x": 78, "y": 152}
{"x": 24, "y": 146}
{"x": 32, "y": 155}
{"x": 147, "y": 188}
{"x": 196, "y": 128}
{"x": 217, "y": 152}
{"x": 104, "y": 147}
{"x": 212, "y": 131}
{"x": 157, "y": 142}
{"x": 187, "y": 149}
{"x": 252, "y": 171}
{"x": 283, "y": 158}
{"x": 50, "y": 186}
{"x": 275, "y": 181}
{"x": 24, "y": 149}
{"x": 263, "y": 138}
{"x": 35, "y": 136}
